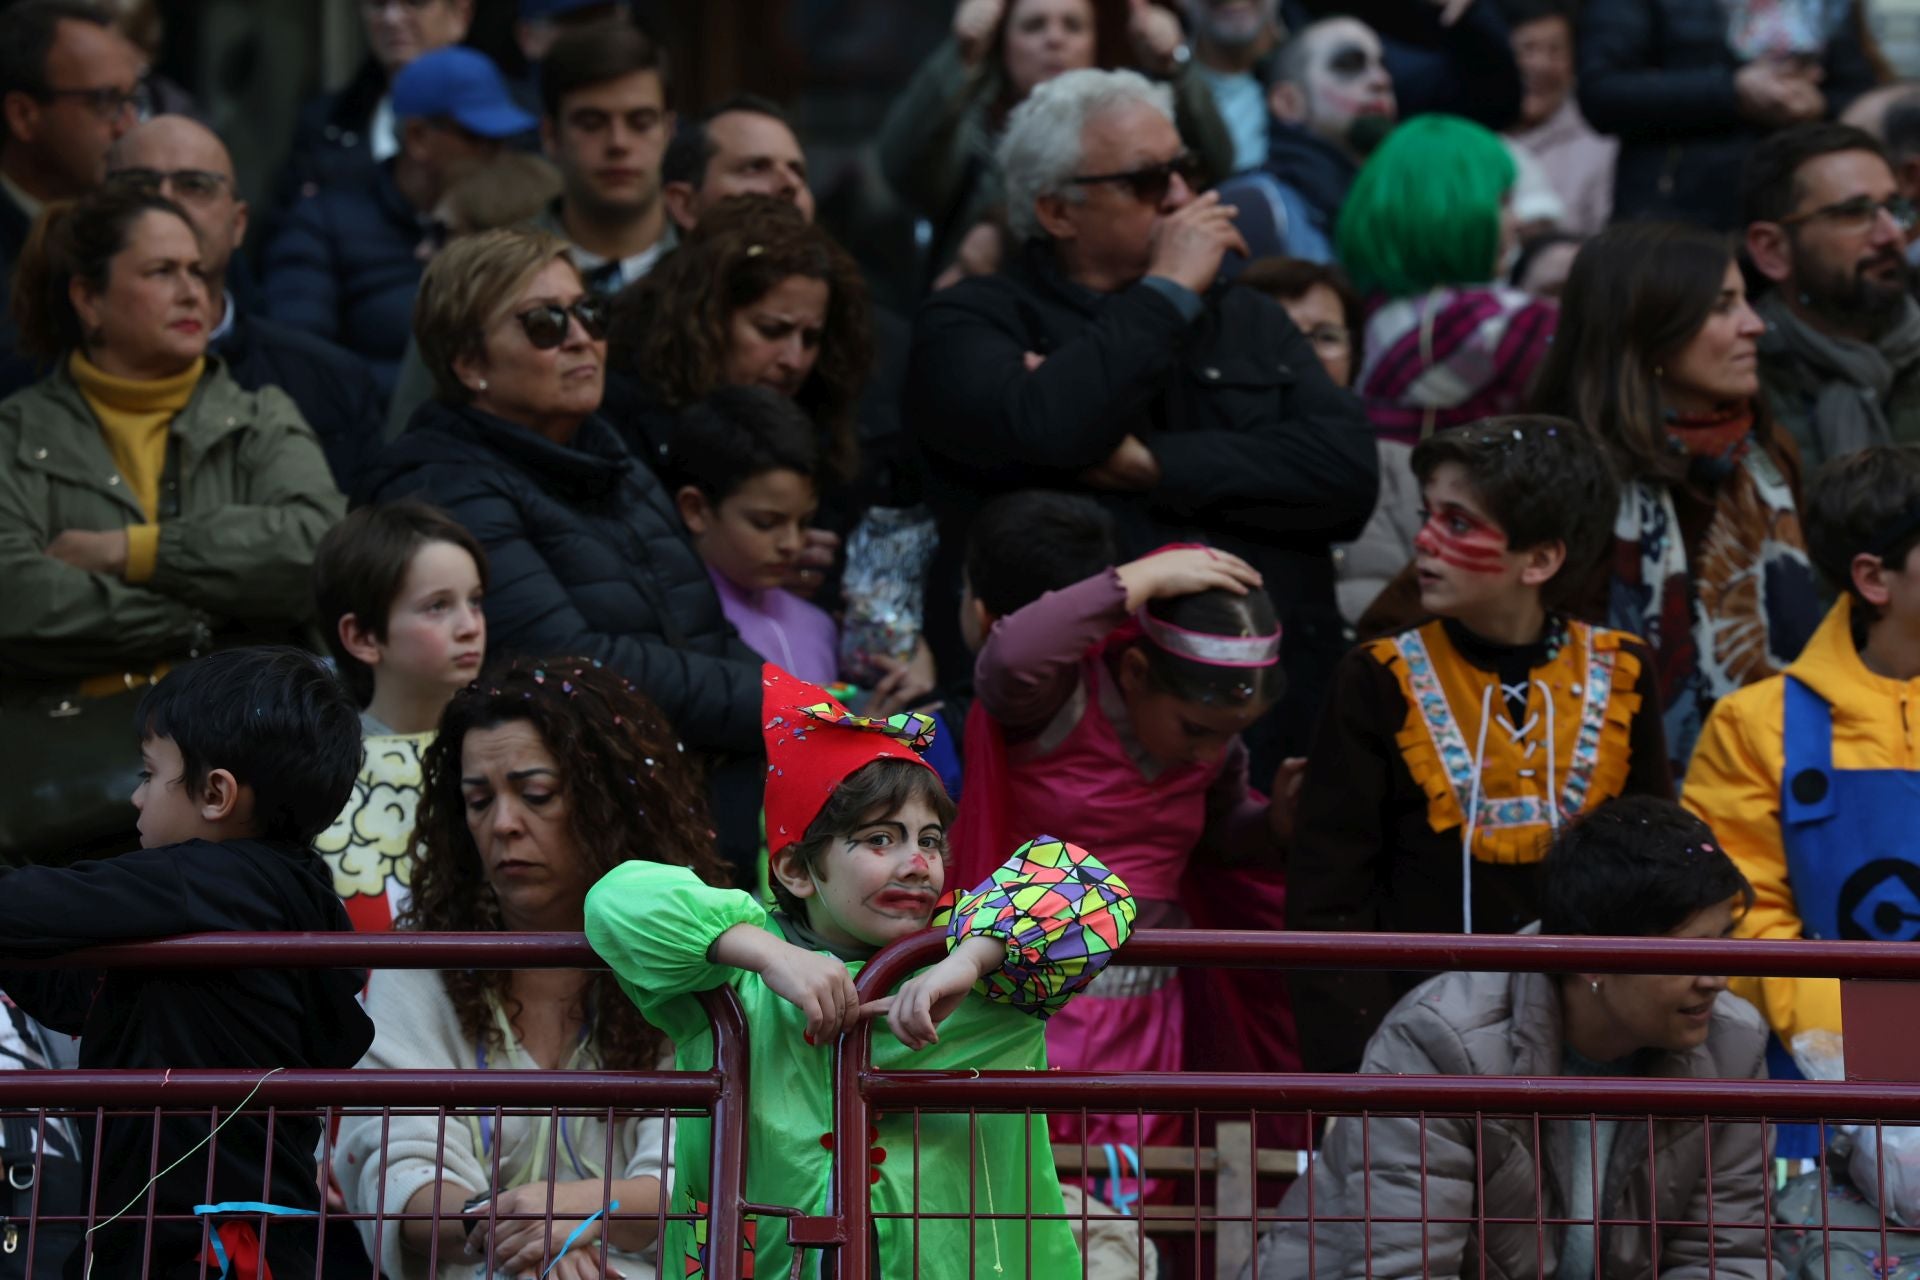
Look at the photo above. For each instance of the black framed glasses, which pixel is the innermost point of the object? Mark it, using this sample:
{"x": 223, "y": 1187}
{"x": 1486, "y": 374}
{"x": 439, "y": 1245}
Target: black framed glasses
{"x": 1859, "y": 213}
{"x": 1151, "y": 183}
{"x": 195, "y": 186}
{"x": 546, "y": 325}
{"x": 109, "y": 102}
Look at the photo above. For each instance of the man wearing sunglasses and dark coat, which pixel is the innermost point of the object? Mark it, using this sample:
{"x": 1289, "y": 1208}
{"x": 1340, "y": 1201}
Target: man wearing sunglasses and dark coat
{"x": 1108, "y": 360}
{"x": 1827, "y": 226}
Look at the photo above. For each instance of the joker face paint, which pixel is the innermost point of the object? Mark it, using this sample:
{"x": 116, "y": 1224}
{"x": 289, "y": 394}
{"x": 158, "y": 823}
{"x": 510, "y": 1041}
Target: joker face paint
{"x": 1346, "y": 79}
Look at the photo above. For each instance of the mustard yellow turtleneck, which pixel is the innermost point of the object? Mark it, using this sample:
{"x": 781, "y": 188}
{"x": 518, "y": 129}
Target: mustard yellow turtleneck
{"x": 135, "y": 415}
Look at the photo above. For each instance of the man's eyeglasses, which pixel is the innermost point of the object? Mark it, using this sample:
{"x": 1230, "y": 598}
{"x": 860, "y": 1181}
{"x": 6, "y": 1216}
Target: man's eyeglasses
{"x": 195, "y": 186}
{"x": 546, "y": 326}
{"x": 1858, "y": 214}
{"x": 109, "y": 102}
{"x": 1150, "y": 184}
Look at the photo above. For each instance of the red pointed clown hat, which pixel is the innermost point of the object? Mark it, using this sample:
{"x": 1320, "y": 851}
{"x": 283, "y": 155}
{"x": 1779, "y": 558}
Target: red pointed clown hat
{"x": 814, "y": 744}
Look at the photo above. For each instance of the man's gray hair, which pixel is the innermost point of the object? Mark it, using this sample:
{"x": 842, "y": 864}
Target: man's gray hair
{"x": 1041, "y": 149}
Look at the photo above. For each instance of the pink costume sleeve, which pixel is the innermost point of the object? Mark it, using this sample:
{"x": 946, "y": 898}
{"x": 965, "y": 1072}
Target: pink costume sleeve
{"x": 1030, "y": 664}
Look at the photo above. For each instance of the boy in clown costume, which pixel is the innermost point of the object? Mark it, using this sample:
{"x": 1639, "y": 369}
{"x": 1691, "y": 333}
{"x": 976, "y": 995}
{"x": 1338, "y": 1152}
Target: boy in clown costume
{"x": 856, "y": 834}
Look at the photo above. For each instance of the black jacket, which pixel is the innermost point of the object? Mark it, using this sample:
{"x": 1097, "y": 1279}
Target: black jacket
{"x": 1659, "y": 73}
{"x": 1320, "y": 172}
{"x": 586, "y": 558}
{"x": 1259, "y": 452}
{"x": 16, "y": 370}
{"x": 345, "y": 265}
{"x": 150, "y": 1019}
{"x": 333, "y": 390}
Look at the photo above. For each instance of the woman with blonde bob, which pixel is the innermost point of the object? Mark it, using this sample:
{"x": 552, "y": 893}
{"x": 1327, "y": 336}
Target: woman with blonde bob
{"x": 584, "y": 542}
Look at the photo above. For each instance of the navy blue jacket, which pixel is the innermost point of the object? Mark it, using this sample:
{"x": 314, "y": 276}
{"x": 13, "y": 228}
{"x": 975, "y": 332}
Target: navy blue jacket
{"x": 1659, "y": 73}
{"x": 345, "y": 265}
{"x": 332, "y": 389}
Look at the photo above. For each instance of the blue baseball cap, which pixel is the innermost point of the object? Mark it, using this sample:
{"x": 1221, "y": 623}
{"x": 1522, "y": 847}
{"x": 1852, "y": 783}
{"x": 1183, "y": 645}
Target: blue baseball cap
{"x": 535, "y": 10}
{"x": 463, "y": 86}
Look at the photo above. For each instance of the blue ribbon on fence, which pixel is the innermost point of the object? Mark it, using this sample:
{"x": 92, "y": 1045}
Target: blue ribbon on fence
{"x": 1120, "y": 1200}
{"x": 244, "y": 1206}
{"x": 275, "y": 1210}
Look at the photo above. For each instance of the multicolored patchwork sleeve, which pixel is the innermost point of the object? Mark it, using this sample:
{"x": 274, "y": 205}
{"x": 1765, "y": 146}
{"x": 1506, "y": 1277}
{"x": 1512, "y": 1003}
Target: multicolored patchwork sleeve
{"x": 1061, "y": 913}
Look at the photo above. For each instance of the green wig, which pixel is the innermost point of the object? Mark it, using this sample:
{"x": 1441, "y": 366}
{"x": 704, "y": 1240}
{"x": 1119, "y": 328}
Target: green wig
{"x": 1425, "y": 210}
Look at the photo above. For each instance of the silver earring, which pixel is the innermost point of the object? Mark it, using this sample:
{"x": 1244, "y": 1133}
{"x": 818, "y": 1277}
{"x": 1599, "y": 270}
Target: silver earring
{"x": 482, "y": 386}
{"x": 1595, "y": 984}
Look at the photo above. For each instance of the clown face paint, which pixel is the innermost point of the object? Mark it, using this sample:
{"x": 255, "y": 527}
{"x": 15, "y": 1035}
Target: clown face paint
{"x": 1347, "y": 80}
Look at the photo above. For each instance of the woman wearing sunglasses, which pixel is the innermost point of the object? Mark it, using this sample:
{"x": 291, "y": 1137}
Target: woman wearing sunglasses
{"x": 583, "y": 541}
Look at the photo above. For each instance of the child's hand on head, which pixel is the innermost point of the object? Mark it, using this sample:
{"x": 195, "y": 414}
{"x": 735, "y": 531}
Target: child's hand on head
{"x": 915, "y": 1012}
{"x": 1186, "y": 572}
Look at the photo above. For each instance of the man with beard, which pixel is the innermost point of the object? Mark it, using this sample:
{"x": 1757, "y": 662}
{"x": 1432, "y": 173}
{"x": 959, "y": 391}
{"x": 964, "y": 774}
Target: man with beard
{"x": 1332, "y": 102}
{"x": 1230, "y": 38}
{"x": 1826, "y": 223}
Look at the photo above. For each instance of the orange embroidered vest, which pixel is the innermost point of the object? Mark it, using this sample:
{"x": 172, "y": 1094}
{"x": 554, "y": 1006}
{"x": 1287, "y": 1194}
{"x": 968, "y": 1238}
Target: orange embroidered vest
{"x": 1517, "y": 782}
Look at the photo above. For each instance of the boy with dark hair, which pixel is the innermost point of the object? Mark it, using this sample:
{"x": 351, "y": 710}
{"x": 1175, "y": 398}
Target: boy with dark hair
{"x": 247, "y": 754}
{"x": 1449, "y": 755}
{"x": 743, "y": 145}
{"x": 400, "y": 587}
{"x": 1023, "y": 545}
{"x": 1812, "y": 777}
{"x": 743, "y": 465}
{"x": 605, "y": 121}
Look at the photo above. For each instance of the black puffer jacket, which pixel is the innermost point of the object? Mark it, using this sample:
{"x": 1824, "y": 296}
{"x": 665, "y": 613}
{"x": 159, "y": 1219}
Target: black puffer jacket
{"x": 1659, "y": 73}
{"x": 587, "y": 559}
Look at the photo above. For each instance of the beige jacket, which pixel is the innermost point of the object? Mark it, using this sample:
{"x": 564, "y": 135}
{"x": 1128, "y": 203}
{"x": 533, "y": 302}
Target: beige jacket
{"x": 1496, "y": 1024}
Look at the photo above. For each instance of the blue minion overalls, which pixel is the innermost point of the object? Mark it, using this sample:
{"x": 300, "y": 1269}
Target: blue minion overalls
{"x": 1852, "y": 841}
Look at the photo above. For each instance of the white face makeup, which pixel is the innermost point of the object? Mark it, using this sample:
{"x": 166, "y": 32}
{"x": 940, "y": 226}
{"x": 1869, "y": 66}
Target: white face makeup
{"x": 1347, "y": 80}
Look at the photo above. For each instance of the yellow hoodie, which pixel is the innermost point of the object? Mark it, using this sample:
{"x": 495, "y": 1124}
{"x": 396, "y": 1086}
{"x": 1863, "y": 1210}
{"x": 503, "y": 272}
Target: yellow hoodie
{"x": 1733, "y": 784}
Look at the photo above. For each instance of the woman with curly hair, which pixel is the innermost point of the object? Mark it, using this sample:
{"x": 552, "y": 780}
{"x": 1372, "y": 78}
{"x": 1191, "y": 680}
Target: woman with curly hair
{"x": 757, "y": 296}
{"x": 546, "y": 775}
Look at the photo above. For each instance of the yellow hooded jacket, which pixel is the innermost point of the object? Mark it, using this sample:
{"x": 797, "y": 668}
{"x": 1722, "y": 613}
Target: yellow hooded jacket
{"x": 1733, "y": 784}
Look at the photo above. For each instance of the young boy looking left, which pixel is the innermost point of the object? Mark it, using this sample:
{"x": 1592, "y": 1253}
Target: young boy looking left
{"x": 246, "y": 755}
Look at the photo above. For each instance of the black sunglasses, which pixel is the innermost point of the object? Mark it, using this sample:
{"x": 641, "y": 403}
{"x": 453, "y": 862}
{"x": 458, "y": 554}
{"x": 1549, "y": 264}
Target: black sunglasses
{"x": 546, "y": 326}
{"x": 1150, "y": 185}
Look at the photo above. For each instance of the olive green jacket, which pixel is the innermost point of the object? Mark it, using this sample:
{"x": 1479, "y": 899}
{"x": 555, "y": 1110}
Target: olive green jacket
{"x": 244, "y": 500}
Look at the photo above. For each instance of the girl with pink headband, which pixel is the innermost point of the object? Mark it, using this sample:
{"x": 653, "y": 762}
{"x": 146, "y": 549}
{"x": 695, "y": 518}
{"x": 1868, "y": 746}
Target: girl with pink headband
{"x": 1116, "y": 709}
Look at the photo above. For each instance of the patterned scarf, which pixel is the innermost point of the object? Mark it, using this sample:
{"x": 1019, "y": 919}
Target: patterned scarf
{"x": 1451, "y": 356}
{"x": 1745, "y": 606}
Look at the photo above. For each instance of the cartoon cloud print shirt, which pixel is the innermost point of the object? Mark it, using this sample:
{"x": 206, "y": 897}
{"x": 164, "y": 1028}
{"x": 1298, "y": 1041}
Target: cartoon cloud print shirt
{"x": 1062, "y": 915}
{"x": 369, "y": 847}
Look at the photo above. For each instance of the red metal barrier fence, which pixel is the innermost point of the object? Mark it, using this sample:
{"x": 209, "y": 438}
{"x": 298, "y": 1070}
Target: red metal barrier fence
{"x": 1490, "y": 1109}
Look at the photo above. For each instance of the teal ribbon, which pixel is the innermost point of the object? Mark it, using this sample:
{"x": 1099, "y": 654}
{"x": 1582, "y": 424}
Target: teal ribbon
{"x": 574, "y": 1238}
{"x": 249, "y": 1207}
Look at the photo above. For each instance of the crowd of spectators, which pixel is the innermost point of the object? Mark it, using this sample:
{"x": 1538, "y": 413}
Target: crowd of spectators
{"x": 1382, "y": 465}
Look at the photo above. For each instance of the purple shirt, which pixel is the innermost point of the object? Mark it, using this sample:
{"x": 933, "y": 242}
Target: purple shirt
{"x": 783, "y": 629}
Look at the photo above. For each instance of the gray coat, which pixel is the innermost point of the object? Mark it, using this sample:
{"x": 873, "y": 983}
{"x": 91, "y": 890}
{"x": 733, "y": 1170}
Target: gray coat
{"x": 1496, "y": 1024}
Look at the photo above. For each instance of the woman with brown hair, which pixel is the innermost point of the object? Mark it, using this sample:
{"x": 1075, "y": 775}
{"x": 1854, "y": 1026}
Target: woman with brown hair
{"x": 1657, "y": 351}
{"x": 756, "y": 296}
{"x": 547, "y": 774}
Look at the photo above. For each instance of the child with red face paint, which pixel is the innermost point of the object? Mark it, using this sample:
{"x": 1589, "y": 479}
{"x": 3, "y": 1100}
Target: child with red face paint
{"x": 1119, "y": 703}
{"x": 1449, "y": 755}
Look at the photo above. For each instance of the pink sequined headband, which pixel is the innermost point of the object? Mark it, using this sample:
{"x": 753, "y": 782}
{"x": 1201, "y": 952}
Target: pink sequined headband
{"x": 1211, "y": 650}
